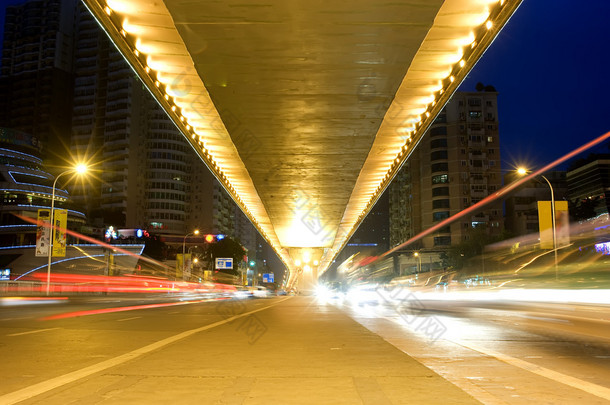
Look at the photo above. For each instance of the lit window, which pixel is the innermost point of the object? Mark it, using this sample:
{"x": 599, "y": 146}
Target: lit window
{"x": 441, "y": 178}
{"x": 439, "y": 216}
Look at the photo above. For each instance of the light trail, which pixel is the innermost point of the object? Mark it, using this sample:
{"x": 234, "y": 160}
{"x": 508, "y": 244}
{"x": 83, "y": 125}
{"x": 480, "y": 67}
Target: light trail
{"x": 498, "y": 194}
{"x": 122, "y": 309}
{"x": 91, "y": 240}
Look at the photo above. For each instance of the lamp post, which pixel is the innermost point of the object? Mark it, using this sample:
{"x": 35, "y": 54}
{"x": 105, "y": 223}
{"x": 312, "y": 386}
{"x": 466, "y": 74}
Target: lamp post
{"x": 416, "y": 254}
{"x": 195, "y": 232}
{"x": 553, "y": 224}
{"x": 522, "y": 171}
{"x": 79, "y": 169}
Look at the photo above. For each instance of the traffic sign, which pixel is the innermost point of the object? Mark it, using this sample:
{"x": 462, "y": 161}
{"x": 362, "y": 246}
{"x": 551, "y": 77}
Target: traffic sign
{"x": 224, "y": 263}
{"x": 268, "y": 277}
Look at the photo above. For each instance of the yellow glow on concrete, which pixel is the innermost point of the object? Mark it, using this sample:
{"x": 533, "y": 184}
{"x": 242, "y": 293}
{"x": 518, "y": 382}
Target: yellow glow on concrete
{"x": 173, "y": 71}
{"x": 133, "y": 29}
{"x": 306, "y": 257}
{"x": 122, "y": 6}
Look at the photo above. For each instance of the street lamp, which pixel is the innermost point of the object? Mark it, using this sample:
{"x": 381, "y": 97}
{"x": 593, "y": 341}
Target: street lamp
{"x": 521, "y": 171}
{"x": 195, "y": 232}
{"x": 80, "y": 168}
{"x": 416, "y": 254}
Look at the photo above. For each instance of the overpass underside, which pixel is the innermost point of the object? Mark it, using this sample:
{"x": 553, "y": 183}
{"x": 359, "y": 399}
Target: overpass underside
{"x": 303, "y": 110}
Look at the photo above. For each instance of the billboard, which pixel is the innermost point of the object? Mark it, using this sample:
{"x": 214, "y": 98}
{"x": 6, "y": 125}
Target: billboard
{"x": 60, "y": 221}
{"x": 224, "y": 263}
{"x": 545, "y": 224}
{"x": 43, "y": 234}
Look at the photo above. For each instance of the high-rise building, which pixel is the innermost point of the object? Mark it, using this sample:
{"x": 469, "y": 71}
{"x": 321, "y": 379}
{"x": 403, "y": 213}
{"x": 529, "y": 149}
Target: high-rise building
{"x": 37, "y": 73}
{"x": 148, "y": 175}
{"x": 455, "y": 165}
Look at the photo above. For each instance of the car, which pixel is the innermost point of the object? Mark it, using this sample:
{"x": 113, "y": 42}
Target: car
{"x": 259, "y": 291}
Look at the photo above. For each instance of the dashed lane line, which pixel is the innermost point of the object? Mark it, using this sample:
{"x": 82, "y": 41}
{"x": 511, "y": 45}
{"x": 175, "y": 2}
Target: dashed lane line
{"x": 30, "y": 332}
{"x": 128, "y": 319}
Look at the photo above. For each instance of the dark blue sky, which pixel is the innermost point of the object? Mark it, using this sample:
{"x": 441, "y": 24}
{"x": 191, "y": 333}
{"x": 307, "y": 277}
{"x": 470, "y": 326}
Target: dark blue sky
{"x": 550, "y": 66}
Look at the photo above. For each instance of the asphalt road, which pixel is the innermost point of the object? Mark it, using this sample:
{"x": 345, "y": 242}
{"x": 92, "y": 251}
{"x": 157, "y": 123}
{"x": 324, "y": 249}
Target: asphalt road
{"x": 502, "y": 352}
{"x": 297, "y": 350}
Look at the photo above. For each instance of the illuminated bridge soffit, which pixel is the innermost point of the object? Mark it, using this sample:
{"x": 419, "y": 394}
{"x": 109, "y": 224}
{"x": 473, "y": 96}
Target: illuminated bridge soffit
{"x": 304, "y": 111}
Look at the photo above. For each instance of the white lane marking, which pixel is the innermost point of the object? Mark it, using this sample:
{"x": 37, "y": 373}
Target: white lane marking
{"x": 128, "y": 319}
{"x": 32, "y": 331}
{"x": 42, "y": 387}
{"x": 574, "y": 382}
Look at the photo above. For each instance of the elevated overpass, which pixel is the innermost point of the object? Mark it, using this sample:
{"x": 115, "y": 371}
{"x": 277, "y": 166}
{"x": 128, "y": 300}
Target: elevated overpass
{"x": 303, "y": 110}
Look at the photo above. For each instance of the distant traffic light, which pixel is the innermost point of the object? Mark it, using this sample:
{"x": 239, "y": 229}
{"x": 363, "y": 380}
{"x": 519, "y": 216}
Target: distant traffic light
{"x": 214, "y": 238}
{"x": 252, "y": 263}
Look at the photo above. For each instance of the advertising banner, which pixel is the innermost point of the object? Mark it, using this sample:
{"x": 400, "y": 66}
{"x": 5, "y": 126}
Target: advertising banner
{"x": 562, "y": 223}
{"x": 179, "y": 264}
{"x": 60, "y": 219}
{"x": 43, "y": 234}
{"x": 545, "y": 222}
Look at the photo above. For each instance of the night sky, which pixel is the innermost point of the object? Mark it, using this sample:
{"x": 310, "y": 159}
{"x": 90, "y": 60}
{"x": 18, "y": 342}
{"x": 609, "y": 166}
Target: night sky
{"x": 550, "y": 65}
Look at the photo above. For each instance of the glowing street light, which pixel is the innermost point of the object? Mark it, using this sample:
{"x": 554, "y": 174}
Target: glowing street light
{"x": 416, "y": 254}
{"x": 522, "y": 171}
{"x": 79, "y": 169}
{"x": 195, "y": 232}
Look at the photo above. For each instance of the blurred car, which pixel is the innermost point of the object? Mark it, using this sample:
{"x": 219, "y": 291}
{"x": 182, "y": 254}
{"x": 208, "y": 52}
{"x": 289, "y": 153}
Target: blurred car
{"x": 242, "y": 292}
{"x": 259, "y": 291}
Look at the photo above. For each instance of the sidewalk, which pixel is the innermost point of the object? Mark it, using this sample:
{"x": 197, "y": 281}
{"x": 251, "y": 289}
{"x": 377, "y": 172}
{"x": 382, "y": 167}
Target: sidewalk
{"x": 296, "y": 352}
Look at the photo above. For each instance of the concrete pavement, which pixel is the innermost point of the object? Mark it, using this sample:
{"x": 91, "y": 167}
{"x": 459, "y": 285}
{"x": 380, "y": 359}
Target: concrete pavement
{"x": 294, "y": 352}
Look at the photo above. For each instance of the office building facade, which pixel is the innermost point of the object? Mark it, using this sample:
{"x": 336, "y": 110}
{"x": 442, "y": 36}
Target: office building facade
{"x": 589, "y": 184}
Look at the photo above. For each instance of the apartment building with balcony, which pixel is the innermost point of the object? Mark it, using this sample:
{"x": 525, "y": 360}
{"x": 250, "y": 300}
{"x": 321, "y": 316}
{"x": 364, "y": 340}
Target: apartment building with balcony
{"x": 455, "y": 165}
{"x": 149, "y": 176}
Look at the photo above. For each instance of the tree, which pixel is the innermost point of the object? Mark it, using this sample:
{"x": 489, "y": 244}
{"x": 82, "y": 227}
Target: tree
{"x": 583, "y": 209}
{"x": 456, "y": 256}
{"x": 155, "y": 248}
{"x": 226, "y": 247}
